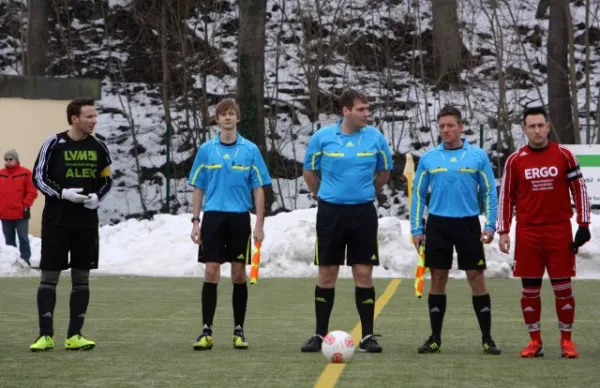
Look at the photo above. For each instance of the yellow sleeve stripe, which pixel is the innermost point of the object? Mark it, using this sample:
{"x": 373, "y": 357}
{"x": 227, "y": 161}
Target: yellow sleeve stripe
{"x": 418, "y": 194}
{"x": 260, "y": 181}
{"x": 488, "y": 195}
{"x": 385, "y": 160}
{"x": 106, "y": 172}
{"x": 314, "y": 159}
{"x": 196, "y": 173}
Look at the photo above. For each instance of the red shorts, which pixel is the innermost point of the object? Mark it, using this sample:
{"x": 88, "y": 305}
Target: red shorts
{"x": 538, "y": 248}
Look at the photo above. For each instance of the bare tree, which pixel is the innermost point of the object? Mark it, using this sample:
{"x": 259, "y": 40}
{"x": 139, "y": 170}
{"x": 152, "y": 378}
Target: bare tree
{"x": 317, "y": 45}
{"x": 447, "y": 42}
{"x": 503, "y": 118}
{"x": 588, "y": 91}
{"x": 251, "y": 70}
{"x": 559, "y": 93}
{"x": 164, "y": 15}
{"x": 127, "y": 112}
{"x": 273, "y": 118}
{"x": 598, "y": 118}
{"x": 419, "y": 45}
{"x": 251, "y": 73}
{"x": 37, "y": 37}
{"x": 573, "y": 76}
{"x": 62, "y": 11}
{"x": 211, "y": 12}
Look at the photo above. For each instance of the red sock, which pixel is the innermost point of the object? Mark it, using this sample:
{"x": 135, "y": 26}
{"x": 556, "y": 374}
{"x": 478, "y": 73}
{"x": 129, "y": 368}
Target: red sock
{"x": 565, "y": 308}
{"x": 531, "y": 305}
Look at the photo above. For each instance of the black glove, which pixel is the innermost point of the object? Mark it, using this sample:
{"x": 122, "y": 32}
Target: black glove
{"x": 581, "y": 237}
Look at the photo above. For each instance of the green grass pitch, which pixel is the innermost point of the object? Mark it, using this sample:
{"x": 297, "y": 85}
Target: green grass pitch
{"x": 145, "y": 327}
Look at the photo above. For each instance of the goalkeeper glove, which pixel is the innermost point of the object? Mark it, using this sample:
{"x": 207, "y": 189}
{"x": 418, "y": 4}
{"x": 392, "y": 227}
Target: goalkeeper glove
{"x": 72, "y": 195}
{"x": 92, "y": 202}
{"x": 581, "y": 237}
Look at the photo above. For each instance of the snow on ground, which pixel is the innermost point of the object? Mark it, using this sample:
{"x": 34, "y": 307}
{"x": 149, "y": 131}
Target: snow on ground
{"x": 162, "y": 247}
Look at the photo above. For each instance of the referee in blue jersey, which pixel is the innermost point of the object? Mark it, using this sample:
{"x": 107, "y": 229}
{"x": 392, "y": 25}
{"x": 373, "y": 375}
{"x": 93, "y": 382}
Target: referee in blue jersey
{"x": 355, "y": 162}
{"x": 456, "y": 172}
{"x": 226, "y": 170}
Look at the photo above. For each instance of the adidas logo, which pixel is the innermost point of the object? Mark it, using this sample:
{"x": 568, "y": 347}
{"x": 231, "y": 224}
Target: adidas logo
{"x": 435, "y": 310}
{"x": 453, "y": 160}
{"x": 369, "y": 301}
{"x": 226, "y": 156}
{"x": 241, "y": 257}
{"x": 82, "y": 315}
{"x": 523, "y": 153}
{"x": 528, "y": 309}
{"x": 47, "y": 315}
{"x": 567, "y": 307}
{"x": 320, "y": 299}
{"x": 349, "y": 144}
{"x": 481, "y": 262}
{"x": 61, "y": 141}
{"x": 374, "y": 257}
{"x": 486, "y": 309}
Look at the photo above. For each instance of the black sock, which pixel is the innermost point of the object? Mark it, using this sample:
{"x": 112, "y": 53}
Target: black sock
{"x": 437, "y": 309}
{"x": 482, "y": 305}
{"x": 78, "y": 303}
{"x": 209, "y": 305}
{"x": 324, "y": 298}
{"x": 46, "y": 300}
{"x": 365, "y": 304}
{"x": 239, "y": 301}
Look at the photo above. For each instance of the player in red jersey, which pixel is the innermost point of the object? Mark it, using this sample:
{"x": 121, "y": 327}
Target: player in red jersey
{"x": 536, "y": 184}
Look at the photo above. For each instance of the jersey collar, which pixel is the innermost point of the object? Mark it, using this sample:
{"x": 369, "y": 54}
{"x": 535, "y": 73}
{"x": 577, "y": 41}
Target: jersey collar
{"x": 338, "y": 128}
{"x": 238, "y": 139}
{"x": 465, "y": 146}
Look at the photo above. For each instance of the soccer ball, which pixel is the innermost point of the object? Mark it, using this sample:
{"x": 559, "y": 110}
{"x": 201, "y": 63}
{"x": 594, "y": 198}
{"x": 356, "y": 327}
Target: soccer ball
{"x": 338, "y": 346}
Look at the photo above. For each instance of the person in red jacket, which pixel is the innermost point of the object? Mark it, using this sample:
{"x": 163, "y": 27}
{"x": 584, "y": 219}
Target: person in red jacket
{"x": 539, "y": 180}
{"x": 17, "y": 194}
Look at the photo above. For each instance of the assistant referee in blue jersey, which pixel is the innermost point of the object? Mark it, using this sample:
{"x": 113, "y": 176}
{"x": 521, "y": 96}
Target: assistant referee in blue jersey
{"x": 456, "y": 172}
{"x": 355, "y": 162}
{"x": 226, "y": 170}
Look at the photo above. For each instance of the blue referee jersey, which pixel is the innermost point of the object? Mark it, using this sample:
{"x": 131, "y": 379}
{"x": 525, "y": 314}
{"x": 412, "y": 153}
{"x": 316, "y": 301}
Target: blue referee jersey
{"x": 455, "y": 177}
{"x": 347, "y": 163}
{"x": 228, "y": 174}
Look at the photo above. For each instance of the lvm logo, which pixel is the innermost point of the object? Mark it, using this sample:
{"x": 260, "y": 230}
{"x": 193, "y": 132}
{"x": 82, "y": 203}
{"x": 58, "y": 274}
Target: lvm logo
{"x": 80, "y": 155}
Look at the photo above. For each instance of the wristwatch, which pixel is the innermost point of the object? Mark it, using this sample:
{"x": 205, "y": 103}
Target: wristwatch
{"x": 195, "y": 218}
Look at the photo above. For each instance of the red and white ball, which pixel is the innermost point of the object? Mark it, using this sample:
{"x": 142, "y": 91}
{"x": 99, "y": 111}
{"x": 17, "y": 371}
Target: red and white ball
{"x": 338, "y": 346}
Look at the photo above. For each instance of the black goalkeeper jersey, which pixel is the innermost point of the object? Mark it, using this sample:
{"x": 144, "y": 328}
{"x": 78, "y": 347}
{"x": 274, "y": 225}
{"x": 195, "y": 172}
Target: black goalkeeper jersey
{"x": 64, "y": 163}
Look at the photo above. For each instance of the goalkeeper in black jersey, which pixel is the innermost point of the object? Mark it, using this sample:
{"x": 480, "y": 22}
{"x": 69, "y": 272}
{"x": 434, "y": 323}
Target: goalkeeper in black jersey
{"x": 72, "y": 170}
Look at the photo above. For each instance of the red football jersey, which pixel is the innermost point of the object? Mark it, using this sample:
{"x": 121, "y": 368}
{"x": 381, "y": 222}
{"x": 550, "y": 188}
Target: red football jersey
{"x": 536, "y": 184}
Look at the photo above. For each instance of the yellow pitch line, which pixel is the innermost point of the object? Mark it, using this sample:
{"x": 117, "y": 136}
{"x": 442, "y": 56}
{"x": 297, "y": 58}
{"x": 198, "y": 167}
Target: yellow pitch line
{"x": 333, "y": 371}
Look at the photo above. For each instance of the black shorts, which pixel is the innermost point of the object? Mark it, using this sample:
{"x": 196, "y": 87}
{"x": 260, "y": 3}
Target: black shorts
{"x": 443, "y": 234}
{"x": 351, "y": 227}
{"x": 64, "y": 248}
{"x": 226, "y": 237}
